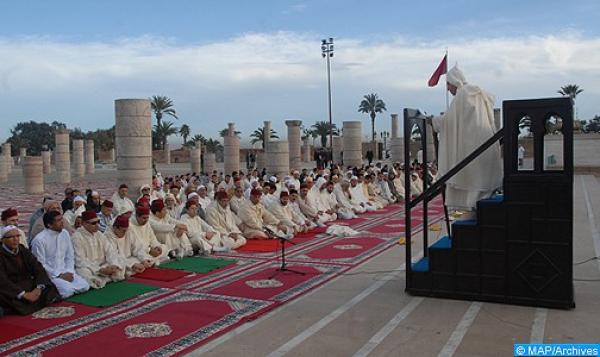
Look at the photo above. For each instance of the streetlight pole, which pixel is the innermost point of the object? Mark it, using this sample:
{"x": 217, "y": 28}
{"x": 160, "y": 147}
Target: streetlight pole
{"x": 327, "y": 52}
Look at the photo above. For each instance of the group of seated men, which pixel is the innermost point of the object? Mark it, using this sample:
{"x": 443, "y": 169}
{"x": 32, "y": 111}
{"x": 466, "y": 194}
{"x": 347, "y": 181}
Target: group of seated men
{"x": 82, "y": 243}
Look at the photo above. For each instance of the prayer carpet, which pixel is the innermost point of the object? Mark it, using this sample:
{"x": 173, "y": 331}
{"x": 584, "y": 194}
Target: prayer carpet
{"x": 162, "y": 274}
{"x": 197, "y": 264}
{"x": 111, "y": 294}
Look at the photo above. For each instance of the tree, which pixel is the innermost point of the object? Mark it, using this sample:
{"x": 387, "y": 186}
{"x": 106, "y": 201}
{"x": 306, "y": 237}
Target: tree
{"x": 33, "y": 135}
{"x": 163, "y": 131}
{"x": 371, "y": 104}
{"x": 571, "y": 90}
{"x": 184, "y": 132}
{"x": 161, "y": 105}
{"x": 223, "y": 133}
{"x": 198, "y": 137}
{"x": 103, "y": 138}
{"x": 322, "y": 129}
{"x": 259, "y": 136}
{"x": 213, "y": 145}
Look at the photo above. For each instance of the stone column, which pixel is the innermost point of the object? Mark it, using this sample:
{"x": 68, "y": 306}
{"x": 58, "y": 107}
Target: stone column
{"x": 294, "y": 140}
{"x": 308, "y": 156}
{"x": 352, "y": 143}
{"x": 22, "y": 155}
{"x": 89, "y": 157}
{"x": 260, "y": 160}
{"x": 33, "y": 174}
{"x": 266, "y": 134}
{"x": 210, "y": 162}
{"x": 394, "y": 126}
{"x": 278, "y": 162}
{"x": 196, "y": 158}
{"x": 78, "y": 160}
{"x": 397, "y": 149}
{"x": 167, "y": 151}
{"x": 133, "y": 138}
{"x": 3, "y": 169}
{"x": 62, "y": 157}
{"x": 338, "y": 147}
{"x": 232, "y": 150}
{"x": 47, "y": 161}
{"x": 112, "y": 155}
{"x": 6, "y": 152}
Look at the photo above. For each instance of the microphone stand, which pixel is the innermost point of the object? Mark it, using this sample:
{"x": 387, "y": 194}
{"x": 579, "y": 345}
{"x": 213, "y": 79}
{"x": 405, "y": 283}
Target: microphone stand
{"x": 283, "y": 268}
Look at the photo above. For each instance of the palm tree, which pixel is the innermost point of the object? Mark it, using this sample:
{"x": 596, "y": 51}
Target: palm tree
{"x": 371, "y": 104}
{"x": 184, "y": 132}
{"x": 322, "y": 129}
{"x": 163, "y": 131}
{"x": 571, "y": 90}
{"x": 223, "y": 133}
{"x": 259, "y": 136}
{"x": 213, "y": 145}
{"x": 160, "y": 105}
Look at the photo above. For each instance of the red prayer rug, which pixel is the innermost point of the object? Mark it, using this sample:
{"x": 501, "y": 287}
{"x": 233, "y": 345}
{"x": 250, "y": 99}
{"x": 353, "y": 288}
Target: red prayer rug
{"x": 161, "y": 274}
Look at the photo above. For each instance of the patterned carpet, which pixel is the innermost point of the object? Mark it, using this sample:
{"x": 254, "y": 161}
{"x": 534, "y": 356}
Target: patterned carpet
{"x": 187, "y": 312}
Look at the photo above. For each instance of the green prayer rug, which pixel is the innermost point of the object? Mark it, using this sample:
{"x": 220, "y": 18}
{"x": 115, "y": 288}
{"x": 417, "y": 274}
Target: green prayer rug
{"x": 111, "y": 294}
{"x": 197, "y": 264}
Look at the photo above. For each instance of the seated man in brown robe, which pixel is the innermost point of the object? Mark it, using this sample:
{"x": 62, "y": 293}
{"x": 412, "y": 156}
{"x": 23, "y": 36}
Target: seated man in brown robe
{"x": 24, "y": 284}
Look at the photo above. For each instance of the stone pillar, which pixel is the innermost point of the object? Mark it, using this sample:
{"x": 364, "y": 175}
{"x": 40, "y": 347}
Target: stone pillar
{"x": 133, "y": 138}
{"x": 352, "y": 143}
{"x": 260, "y": 160}
{"x": 112, "y": 155}
{"x": 394, "y": 126}
{"x": 397, "y": 149}
{"x": 62, "y": 157}
{"x": 308, "y": 155}
{"x": 6, "y": 152}
{"x": 232, "y": 150}
{"x": 337, "y": 147}
{"x": 47, "y": 161}
{"x": 167, "y": 151}
{"x": 22, "y": 155}
{"x": 196, "y": 159}
{"x": 78, "y": 160}
{"x": 33, "y": 174}
{"x": 3, "y": 169}
{"x": 266, "y": 134}
{"x": 278, "y": 158}
{"x": 210, "y": 162}
{"x": 89, "y": 157}
{"x": 294, "y": 140}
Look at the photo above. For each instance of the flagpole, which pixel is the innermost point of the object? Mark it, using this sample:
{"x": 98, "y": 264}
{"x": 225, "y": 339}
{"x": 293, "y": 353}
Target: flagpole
{"x": 445, "y": 88}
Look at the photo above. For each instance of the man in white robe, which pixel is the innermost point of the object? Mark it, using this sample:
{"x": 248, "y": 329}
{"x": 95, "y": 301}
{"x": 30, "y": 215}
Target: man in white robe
{"x": 173, "y": 207}
{"x": 467, "y": 124}
{"x": 169, "y": 231}
{"x": 284, "y": 213}
{"x": 122, "y": 203}
{"x": 142, "y": 232}
{"x": 133, "y": 255}
{"x": 358, "y": 195}
{"x": 96, "y": 259}
{"x": 202, "y": 236}
{"x": 342, "y": 194}
{"x": 220, "y": 217}
{"x": 54, "y": 249}
{"x": 236, "y": 200}
{"x": 330, "y": 198}
{"x": 257, "y": 220}
{"x": 76, "y": 211}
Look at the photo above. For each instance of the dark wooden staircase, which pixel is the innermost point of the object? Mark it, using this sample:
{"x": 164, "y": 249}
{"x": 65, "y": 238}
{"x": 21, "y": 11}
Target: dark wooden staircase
{"x": 519, "y": 250}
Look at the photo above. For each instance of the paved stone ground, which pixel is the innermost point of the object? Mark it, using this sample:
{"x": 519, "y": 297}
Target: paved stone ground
{"x": 366, "y": 312}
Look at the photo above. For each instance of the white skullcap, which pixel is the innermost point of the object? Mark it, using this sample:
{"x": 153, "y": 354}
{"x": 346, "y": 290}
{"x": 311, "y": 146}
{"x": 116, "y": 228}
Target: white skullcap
{"x": 7, "y": 229}
{"x": 456, "y": 77}
{"x": 145, "y": 187}
{"x": 192, "y": 195}
{"x": 95, "y": 193}
{"x": 79, "y": 199}
{"x": 273, "y": 179}
{"x": 201, "y": 187}
{"x": 353, "y": 178}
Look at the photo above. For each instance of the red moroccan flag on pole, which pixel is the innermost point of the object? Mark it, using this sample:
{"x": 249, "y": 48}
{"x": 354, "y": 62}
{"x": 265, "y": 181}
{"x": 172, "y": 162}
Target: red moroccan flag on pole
{"x": 441, "y": 69}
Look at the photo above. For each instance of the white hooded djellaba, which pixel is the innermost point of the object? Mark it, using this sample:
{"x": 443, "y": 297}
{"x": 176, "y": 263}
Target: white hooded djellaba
{"x": 467, "y": 124}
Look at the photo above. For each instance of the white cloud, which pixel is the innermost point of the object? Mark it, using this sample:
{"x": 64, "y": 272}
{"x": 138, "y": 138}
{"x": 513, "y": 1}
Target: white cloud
{"x": 258, "y": 76}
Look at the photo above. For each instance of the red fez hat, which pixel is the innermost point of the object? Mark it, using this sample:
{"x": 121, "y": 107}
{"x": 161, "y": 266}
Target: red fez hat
{"x": 89, "y": 215}
{"x": 8, "y": 213}
{"x": 256, "y": 192}
{"x": 157, "y": 205}
{"x": 108, "y": 204}
{"x": 142, "y": 211}
{"x": 284, "y": 194}
{"x": 144, "y": 199}
{"x": 219, "y": 195}
{"x": 123, "y": 186}
{"x": 121, "y": 222}
{"x": 189, "y": 203}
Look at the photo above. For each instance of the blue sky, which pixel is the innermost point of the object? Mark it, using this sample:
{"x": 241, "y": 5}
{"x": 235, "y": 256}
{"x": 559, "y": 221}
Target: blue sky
{"x": 249, "y": 61}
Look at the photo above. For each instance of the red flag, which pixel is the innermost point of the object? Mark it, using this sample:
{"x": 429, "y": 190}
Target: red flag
{"x": 441, "y": 69}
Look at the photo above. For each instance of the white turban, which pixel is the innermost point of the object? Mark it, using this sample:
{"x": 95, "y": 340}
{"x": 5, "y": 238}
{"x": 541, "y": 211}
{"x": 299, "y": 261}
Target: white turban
{"x": 320, "y": 182}
{"x": 192, "y": 195}
{"x": 273, "y": 179}
{"x": 456, "y": 77}
{"x": 79, "y": 199}
{"x": 7, "y": 229}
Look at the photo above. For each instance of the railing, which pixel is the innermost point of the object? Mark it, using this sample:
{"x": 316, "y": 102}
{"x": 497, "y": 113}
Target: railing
{"x": 431, "y": 192}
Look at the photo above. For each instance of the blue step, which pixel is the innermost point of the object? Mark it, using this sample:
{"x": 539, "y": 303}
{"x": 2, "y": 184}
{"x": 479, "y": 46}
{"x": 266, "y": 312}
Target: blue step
{"x": 422, "y": 265}
{"x": 466, "y": 222}
{"x": 444, "y": 243}
{"x": 495, "y": 199}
